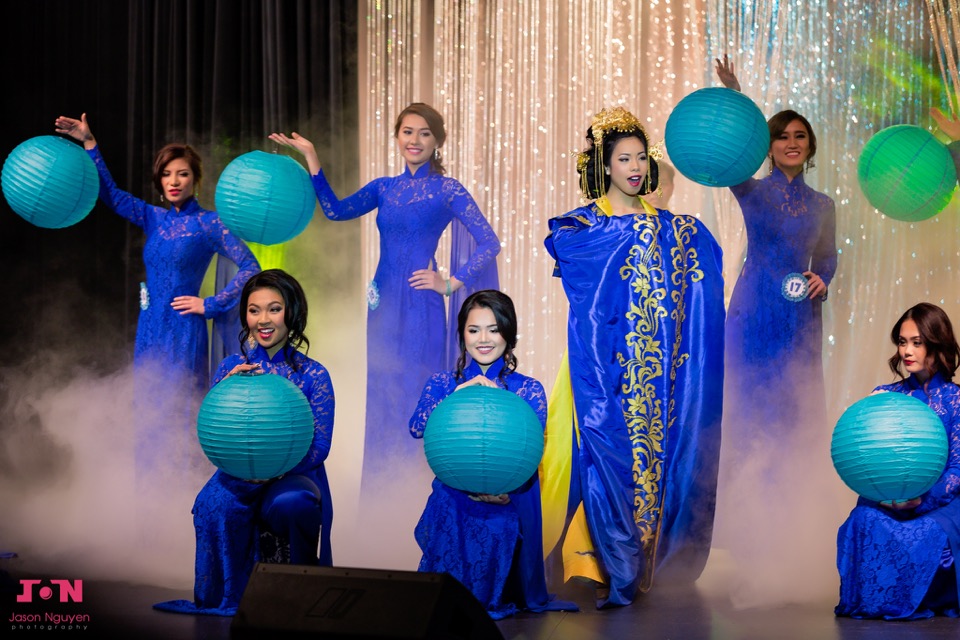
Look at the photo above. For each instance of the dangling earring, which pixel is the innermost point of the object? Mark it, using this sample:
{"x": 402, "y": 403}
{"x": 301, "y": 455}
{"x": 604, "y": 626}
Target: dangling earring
{"x": 436, "y": 154}
{"x": 161, "y": 198}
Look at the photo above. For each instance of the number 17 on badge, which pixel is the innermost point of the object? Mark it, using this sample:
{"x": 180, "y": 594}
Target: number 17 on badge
{"x": 794, "y": 287}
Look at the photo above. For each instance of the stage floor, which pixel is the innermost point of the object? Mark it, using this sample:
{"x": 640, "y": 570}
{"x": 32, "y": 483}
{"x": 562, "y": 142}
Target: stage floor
{"x": 123, "y": 610}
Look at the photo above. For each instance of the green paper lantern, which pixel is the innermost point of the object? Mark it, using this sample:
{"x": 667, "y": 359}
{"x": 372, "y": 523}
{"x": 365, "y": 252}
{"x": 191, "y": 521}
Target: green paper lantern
{"x": 255, "y": 426}
{"x": 483, "y": 440}
{"x": 906, "y": 173}
{"x": 265, "y": 198}
{"x": 889, "y": 446}
{"x": 50, "y": 181}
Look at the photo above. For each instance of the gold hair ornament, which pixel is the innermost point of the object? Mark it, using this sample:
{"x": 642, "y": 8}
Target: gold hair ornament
{"x": 607, "y": 120}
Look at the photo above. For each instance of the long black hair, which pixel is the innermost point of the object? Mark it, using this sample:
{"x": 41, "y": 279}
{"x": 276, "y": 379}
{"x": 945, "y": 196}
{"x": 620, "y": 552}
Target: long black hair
{"x": 294, "y": 315}
{"x": 506, "y": 316}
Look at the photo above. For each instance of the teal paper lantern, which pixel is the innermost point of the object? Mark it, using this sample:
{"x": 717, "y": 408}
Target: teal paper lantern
{"x": 906, "y": 173}
{"x": 265, "y": 198}
{"x": 889, "y": 446}
{"x": 483, "y": 440}
{"x": 717, "y": 137}
{"x": 50, "y": 182}
{"x": 255, "y": 427}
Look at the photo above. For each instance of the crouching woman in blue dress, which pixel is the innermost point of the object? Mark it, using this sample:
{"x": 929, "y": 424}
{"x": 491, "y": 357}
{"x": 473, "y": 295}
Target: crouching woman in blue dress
{"x": 897, "y": 560}
{"x": 229, "y": 513}
{"x": 491, "y": 543}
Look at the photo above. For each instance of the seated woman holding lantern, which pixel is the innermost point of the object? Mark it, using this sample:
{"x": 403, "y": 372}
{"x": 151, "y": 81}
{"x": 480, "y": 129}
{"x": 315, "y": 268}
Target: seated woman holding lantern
{"x": 490, "y": 543}
{"x": 897, "y": 558}
{"x": 230, "y": 512}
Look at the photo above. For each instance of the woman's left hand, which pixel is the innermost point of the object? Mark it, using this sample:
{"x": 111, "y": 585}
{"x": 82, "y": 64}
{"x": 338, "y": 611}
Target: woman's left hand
{"x": 432, "y": 281}
{"x": 500, "y": 499}
{"x": 477, "y": 381}
{"x": 903, "y": 505}
{"x": 188, "y": 304}
{"x": 816, "y": 287}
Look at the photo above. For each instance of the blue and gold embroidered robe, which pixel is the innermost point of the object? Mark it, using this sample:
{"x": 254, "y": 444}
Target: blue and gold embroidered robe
{"x": 633, "y": 459}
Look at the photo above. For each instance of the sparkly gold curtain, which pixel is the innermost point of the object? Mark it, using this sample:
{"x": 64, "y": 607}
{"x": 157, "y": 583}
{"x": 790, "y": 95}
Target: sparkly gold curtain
{"x": 517, "y": 83}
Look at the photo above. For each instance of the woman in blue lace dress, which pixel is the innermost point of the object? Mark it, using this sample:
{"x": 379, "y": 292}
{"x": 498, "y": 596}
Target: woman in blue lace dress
{"x": 774, "y": 382}
{"x": 492, "y": 544}
{"x": 897, "y": 560}
{"x": 406, "y": 326}
{"x": 229, "y": 512}
{"x": 171, "y": 351}
{"x": 181, "y": 240}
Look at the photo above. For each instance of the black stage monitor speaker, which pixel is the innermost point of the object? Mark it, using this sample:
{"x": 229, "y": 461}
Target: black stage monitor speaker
{"x": 331, "y": 602}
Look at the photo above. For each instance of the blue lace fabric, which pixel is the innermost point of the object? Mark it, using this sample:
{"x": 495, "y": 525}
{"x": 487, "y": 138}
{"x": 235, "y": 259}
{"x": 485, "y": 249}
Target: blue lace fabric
{"x": 229, "y": 513}
{"x": 900, "y": 565}
{"x": 773, "y": 345}
{"x": 406, "y": 329}
{"x": 496, "y": 551}
{"x": 171, "y": 351}
{"x": 178, "y": 249}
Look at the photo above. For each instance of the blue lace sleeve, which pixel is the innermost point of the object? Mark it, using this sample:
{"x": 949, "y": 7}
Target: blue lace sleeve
{"x": 744, "y": 188}
{"x": 824, "y": 259}
{"x": 438, "y": 387}
{"x": 363, "y": 201}
{"x": 226, "y": 244}
{"x": 947, "y": 488}
{"x": 121, "y": 202}
{"x": 532, "y": 391}
{"x": 466, "y": 210}
{"x": 226, "y": 365}
{"x": 314, "y": 380}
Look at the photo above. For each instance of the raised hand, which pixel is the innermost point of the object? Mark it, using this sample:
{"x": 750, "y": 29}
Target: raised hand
{"x": 298, "y": 143}
{"x": 727, "y": 74}
{"x": 79, "y": 130}
{"x": 950, "y": 126}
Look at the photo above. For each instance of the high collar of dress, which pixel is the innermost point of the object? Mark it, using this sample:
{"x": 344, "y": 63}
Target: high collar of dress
{"x": 779, "y": 176}
{"x": 422, "y": 171}
{"x": 934, "y": 382}
{"x": 603, "y": 203}
{"x": 259, "y": 354}
{"x": 190, "y": 207}
{"x": 473, "y": 370}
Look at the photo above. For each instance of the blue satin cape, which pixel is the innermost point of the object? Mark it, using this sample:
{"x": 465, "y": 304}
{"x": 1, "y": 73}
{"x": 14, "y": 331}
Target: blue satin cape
{"x": 645, "y": 346}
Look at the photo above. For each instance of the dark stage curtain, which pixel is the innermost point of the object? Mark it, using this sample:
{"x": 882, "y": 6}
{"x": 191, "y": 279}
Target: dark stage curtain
{"x": 219, "y": 75}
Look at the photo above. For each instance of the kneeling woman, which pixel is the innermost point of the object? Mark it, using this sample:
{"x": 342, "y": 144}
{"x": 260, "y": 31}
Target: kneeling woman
{"x": 897, "y": 560}
{"x": 491, "y": 543}
{"x": 229, "y": 513}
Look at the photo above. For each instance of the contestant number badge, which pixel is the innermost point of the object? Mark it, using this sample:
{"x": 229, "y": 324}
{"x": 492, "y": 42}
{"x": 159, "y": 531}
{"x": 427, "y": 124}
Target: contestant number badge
{"x": 794, "y": 287}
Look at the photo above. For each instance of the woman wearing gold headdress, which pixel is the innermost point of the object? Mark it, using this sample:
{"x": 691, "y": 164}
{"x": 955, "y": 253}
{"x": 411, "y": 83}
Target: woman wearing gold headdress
{"x": 629, "y": 474}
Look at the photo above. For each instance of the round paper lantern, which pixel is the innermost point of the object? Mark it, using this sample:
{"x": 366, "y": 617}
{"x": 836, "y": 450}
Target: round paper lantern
{"x": 50, "y": 182}
{"x": 255, "y": 427}
{"x": 483, "y": 440}
{"x": 889, "y": 446}
{"x": 265, "y": 198}
{"x": 906, "y": 173}
{"x": 717, "y": 137}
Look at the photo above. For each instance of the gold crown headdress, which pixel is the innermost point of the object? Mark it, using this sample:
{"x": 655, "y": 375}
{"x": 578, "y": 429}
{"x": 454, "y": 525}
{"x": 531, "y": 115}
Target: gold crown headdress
{"x": 607, "y": 120}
